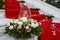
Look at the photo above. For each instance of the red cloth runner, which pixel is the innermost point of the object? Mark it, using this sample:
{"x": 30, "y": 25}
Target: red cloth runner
{"x": 51, "y": 30}
{"x": 56, "y": 30}
{"x": 33, "y": 11}
{"x": 38, "y": 17}
{"x": 45, "y": 24}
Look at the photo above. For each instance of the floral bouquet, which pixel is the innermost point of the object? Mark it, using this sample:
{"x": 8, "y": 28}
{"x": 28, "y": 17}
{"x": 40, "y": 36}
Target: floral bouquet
{"x": 23, "y": 28}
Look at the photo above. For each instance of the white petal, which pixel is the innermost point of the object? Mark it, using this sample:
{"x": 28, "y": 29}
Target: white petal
{"x": 27, "y": 27}
{"x": 11, "y": 27}
{"x": 19, "y": 27}
{"x": 20, "y": 23}
{"x": 11, "y": 21}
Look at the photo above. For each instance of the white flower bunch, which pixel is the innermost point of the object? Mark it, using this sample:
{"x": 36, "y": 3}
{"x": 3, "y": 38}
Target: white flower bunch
{"x": 11, "y": 27}
{"x": 23, "y": 26}
{"x": 17, "y": 23}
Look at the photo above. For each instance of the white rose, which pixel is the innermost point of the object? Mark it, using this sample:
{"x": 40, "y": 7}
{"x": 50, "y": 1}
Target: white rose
{"x": 19, "y": 27}
{"x": 16, "y": 21}
{"x": 34, "y": 25}
{"x": 11, "y": 27}
{"x": 20, "y": 23}
{"x": 12, "y": 21}
{"x": 27, "y": 27}
{"x": 24, "y": 19}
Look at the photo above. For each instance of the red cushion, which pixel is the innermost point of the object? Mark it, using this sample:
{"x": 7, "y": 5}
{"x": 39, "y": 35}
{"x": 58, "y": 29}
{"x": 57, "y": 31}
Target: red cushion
{"x": 33, "y": 11}
{"x": 38, "y": 17}
{"x": 12, "y": 13}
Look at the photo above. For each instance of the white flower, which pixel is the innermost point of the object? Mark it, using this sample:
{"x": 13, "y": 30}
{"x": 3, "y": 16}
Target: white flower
{"x": 16, "y": 21}
{"x": 8, "y": 24}
{"x": 27, "y": 27}
{"x": 34, "y": 25}
{"x": 19, "y": 27}
{"x": 20, "y": 23}
{"x": 11, "y": 27}
{"x": 12, "y": 21}
{"x": 24, "y": 19}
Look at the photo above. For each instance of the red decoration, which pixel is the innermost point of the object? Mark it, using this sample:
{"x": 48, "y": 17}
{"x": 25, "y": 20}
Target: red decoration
{"x": 33, "y": 11}
{"x": 45, "y": 23}
{"x": 38, "y": 17}
{"x": 12, "y": 9}
{"x": 56, "y": 28}
{"x": 7, "y": 1}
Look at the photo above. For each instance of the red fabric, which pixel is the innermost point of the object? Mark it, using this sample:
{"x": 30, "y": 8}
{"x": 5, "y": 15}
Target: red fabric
{"x": 38, "y": 17}
{"x": 57, "y": 30}
{"x": 12, "y": 13}
{"x": 13, "y": 5}
{"x": 12, "y": 9}
{"x": 7, "y": 1}
{"x": 45, "y": 26}
{"x": 33, "y": 11}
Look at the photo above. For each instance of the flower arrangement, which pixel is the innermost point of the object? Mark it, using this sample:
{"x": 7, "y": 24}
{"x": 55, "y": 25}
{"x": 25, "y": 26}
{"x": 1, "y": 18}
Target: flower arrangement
{"x": 23, "y": 28}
